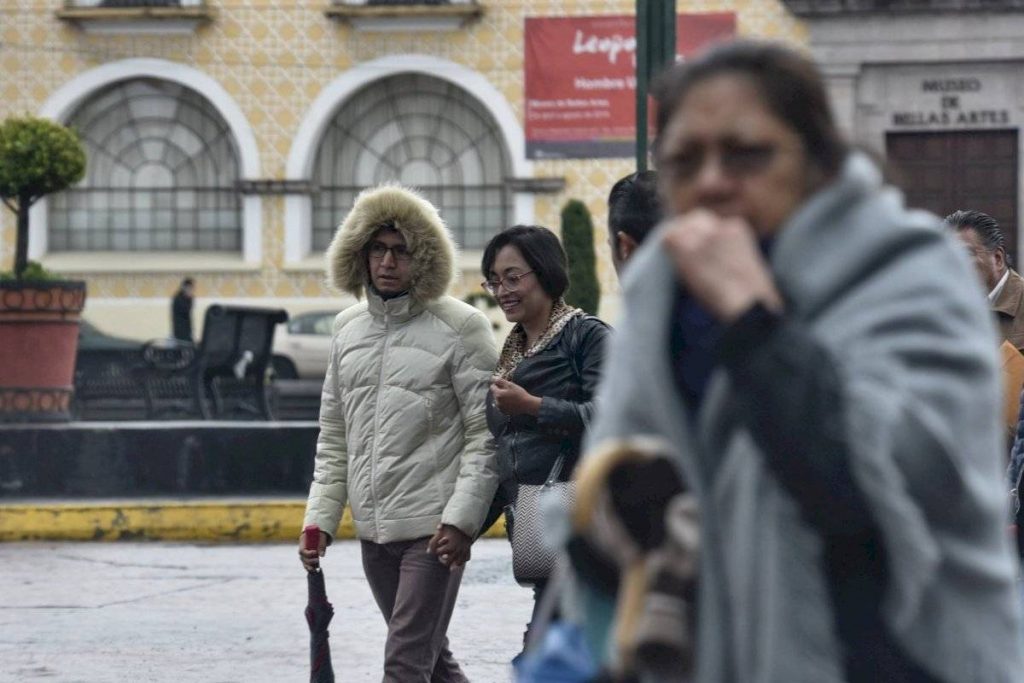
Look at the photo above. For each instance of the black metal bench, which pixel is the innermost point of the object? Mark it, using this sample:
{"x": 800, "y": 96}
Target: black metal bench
{"x": 224, "y": 376}
{"x": 108, "y": 384}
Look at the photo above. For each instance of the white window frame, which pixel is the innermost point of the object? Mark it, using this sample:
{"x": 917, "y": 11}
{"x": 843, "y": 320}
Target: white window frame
{"x": 298, "y": 209}
{"x": 63, "y": 103}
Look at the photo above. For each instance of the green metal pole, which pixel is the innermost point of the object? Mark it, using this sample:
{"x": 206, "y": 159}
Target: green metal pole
{"x": 655, "y": 51}
{"x": 668, "y": 36}
{"x": 642, "y": 75}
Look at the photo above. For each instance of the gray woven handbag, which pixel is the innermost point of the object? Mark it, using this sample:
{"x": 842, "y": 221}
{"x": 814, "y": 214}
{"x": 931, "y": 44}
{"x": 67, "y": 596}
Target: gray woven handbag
{"x": 533, "y": 554}
{"x": 533, "y": 549}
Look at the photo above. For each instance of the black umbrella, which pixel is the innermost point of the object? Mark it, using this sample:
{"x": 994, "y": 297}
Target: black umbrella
{"x": 319, "y": 613}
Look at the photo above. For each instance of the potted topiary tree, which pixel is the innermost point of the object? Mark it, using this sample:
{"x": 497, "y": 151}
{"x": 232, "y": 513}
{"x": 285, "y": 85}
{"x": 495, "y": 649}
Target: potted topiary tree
{"x": 578, "y": 239}
{"x": 39, "y": 314}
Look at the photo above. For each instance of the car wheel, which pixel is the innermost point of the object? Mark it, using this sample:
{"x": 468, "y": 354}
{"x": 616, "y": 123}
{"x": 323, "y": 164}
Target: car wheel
{"x": 284, "y": 368}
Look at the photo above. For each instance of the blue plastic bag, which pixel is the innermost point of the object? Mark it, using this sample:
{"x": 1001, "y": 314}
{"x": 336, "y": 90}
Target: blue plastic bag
{"x": 562, "y": 656}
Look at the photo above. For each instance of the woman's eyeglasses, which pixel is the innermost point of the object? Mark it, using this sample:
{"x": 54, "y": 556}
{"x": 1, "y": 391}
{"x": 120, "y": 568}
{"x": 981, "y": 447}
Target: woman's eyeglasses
{"x": 400, "y": 252}
{"x": 736, "y": 159}
{"x": 509, "y": 282}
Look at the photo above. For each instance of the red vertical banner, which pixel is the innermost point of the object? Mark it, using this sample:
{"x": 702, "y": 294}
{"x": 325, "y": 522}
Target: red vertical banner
{"x": 580, "y": 75}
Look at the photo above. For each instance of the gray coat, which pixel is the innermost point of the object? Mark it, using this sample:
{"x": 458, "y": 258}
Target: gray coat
{"x": 892, "y": 299}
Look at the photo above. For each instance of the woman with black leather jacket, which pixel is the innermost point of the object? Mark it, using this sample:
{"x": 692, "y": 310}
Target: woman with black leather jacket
{"x": 541, "y": 400}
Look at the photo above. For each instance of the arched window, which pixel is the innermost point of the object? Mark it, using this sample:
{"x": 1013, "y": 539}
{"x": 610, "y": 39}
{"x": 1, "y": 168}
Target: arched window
{"x": 161, "y": 176}
{"x": 423, "y": 132}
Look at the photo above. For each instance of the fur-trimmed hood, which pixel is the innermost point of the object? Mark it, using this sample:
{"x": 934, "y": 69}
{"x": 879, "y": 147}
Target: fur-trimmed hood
{"x": 432, "y": 246}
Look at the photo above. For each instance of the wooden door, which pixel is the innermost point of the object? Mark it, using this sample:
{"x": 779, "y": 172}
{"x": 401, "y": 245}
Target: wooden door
{"x": 943, "y": 172}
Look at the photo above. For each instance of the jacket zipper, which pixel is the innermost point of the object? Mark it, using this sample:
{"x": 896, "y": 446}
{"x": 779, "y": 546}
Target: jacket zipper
{"x": 515, "y": 459}
{"x": 515, "y": 435}
{"x": 376, "y": 428}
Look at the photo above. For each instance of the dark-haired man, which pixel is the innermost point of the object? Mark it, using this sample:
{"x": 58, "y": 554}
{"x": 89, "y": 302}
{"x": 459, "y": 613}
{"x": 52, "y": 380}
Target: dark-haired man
{"x": 403, "y": 434}
{"x": 633, "y": 211}
{"x": 986, "y": 244}
{"x": 638, "y": 489}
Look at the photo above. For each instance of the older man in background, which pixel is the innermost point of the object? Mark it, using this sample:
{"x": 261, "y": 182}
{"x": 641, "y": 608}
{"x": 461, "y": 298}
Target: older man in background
{"x": 985, "y": 244}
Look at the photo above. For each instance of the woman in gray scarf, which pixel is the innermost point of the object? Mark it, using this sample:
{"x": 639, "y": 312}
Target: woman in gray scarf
{"x": 819, "y": 360}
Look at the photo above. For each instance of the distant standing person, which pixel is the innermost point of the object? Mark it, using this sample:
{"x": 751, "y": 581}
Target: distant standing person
{"x": 181, "y": 310}
{"x": 633, "y": 210}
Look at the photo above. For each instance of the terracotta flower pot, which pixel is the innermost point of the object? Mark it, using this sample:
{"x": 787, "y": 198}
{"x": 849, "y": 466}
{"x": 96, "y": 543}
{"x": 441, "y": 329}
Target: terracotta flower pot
{"x": 38, "y": 344}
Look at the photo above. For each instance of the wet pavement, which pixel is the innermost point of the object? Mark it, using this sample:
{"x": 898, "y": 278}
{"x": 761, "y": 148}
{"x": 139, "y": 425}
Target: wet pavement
{"x": 114, "y": 612}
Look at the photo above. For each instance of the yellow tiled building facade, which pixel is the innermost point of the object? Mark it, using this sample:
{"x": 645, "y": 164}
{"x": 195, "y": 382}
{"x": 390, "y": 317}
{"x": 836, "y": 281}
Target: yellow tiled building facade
{"x": 275, "y": 73}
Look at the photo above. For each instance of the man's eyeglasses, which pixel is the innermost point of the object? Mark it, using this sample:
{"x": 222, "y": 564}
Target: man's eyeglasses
{"x": 400, "y": 252}
{"x": 509, "y": 282}
{"x": 736, "y": 159}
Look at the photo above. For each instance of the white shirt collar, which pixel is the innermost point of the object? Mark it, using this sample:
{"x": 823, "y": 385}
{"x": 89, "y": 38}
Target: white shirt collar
{"x": 999, "y": 287}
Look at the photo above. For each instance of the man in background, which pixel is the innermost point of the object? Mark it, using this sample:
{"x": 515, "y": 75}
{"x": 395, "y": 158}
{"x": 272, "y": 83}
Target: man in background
{"x": 633, "y": 211}
{"x": 634, "y": 493}
{"x": 181, "y": 310}
{"x": 986, "y": 245}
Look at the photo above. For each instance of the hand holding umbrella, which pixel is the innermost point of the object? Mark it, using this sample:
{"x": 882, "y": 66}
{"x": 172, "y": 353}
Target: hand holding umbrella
{"x": 312, "y": 546}
{"x": 319, "y": 611}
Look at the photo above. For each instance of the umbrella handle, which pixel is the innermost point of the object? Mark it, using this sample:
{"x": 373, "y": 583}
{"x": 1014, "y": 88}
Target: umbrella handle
{"x": 311, "y": 537}
{"x": 311, "y": 540}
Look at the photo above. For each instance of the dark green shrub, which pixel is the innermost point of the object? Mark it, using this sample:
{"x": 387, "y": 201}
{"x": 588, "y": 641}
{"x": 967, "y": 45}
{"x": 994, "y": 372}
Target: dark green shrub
{"x": 578, "y": 240}
{"x": 473, "y": 297}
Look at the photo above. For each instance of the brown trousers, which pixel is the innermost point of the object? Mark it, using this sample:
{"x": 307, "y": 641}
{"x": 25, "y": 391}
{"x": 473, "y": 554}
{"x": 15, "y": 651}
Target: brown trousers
{"x": 416, "y": 594}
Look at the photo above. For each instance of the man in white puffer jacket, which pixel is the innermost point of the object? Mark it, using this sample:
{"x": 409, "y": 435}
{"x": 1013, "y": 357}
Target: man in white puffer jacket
{"x": 403, "y": 437}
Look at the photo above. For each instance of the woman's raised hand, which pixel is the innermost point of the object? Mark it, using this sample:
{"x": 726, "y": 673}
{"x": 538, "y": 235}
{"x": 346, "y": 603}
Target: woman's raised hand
{"x": 512, "y": 399}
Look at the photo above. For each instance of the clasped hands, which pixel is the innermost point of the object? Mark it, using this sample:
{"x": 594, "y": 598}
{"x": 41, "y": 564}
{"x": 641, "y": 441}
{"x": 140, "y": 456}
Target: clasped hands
{"x": 451, "y": 546}
{"x": 718, "y": 261}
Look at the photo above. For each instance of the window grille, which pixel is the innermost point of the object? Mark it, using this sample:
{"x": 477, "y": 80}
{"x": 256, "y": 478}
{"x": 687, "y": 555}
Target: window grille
{"x": 161, "y": 174}
{"x": 423, "y": 132}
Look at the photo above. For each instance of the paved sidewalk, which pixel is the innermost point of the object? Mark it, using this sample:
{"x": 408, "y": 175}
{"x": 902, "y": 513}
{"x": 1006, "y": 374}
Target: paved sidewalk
{"x": 114, "y": 612}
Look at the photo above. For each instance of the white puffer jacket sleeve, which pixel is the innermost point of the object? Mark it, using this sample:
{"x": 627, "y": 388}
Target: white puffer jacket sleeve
{"x": 473, "y": 365}
{"x": 329, "y": 491}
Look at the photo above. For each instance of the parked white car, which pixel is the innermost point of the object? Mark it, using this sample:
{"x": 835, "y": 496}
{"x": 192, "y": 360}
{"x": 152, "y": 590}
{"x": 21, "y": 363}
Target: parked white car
{"x": 302, "y": 346}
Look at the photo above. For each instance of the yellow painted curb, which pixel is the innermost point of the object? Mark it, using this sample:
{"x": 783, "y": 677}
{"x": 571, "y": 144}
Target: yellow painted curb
{"x": 265, "y": 520}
